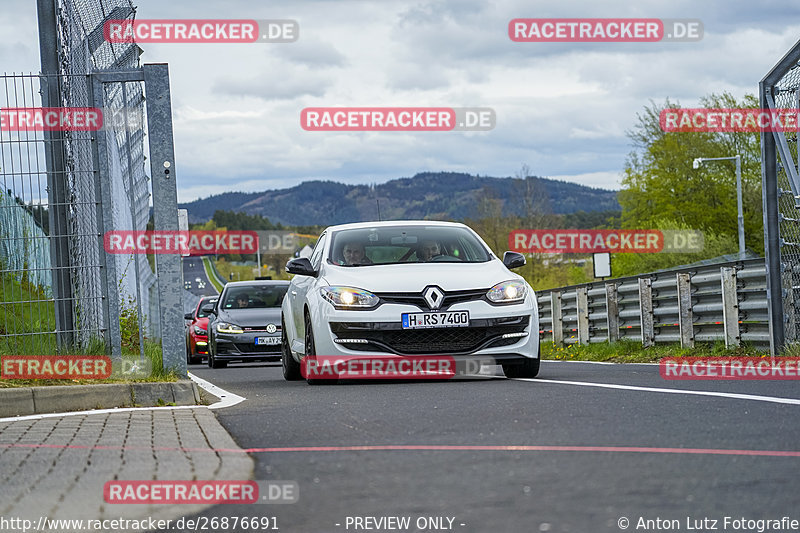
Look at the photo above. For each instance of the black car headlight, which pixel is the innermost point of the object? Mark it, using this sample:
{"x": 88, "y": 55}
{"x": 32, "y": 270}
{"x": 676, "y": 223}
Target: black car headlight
{"x": 349, "y": 297}
{"x": 200, "y": 331}
{"x": 226, "y": 327}
{"x": 513, "y": 291}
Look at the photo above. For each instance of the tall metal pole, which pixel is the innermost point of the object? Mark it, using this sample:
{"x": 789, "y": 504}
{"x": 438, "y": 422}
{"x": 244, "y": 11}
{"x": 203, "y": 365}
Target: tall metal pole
{"x": 740, "y": 216}
{"x": 57, "y": 192}
{"x": 165, "y": 213}
{"x": 258, "y": 254}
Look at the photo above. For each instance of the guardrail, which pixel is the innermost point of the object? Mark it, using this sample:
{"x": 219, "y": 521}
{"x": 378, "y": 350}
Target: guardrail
{"x": 718, "y": 302}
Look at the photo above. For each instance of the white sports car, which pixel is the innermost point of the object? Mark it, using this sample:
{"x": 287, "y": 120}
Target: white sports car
{"x": 408, "y": 288}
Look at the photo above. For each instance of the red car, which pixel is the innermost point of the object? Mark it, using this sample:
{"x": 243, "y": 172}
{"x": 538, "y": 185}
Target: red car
{"x": 197, "y": 332}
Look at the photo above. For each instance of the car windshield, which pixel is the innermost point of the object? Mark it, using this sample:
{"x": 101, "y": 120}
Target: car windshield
{"x": 406, "y": 244}
{"x": 200, "y": 313}
{"x": 254, "y": 297}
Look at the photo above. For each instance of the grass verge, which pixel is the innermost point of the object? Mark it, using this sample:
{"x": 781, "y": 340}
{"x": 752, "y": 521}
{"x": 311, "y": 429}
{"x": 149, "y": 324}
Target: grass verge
{"x": 211, "y": 275}
{"x": 627, "y": 351}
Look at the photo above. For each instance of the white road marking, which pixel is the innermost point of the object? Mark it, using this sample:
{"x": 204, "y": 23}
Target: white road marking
{"x": 734, "y": 395}
{"x": 595, "y": 362}
{"x": 99, "y": 412}
{"x": 226, "y": 399}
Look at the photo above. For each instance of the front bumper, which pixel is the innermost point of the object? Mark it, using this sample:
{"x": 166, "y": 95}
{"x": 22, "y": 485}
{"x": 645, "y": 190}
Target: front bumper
{"x": 506, "y": 332}
{"x": 242, "y": 347}
{"x": 199, "y": 344}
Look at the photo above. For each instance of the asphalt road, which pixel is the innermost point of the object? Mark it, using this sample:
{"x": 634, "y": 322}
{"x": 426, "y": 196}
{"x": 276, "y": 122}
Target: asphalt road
{"x": 195, "y": 279}
{"x": 681, "y": 475}
{"x": 195, "y": 283}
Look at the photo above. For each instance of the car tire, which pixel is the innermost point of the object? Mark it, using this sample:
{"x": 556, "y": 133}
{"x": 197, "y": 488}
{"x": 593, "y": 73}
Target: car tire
{"x": 310, "y": 349}
{"x": 212, "y": 361}
{"x": 528, "y": 369}
{"x": 291, "y": 368}
{"x": 191, "y": 359}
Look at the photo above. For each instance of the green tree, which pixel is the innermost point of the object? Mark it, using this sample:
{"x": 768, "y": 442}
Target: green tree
{"x": 659, "y": 183}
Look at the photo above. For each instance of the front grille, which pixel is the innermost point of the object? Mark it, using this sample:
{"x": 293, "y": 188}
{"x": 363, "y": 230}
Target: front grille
{"x": 416, "y": 299}
{"x": 389, "y": 337}
{"x": 252, "y": 348}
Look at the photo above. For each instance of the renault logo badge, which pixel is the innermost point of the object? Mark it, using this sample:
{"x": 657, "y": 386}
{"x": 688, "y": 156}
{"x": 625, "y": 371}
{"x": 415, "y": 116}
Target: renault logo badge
{"x": 433, "y": 297}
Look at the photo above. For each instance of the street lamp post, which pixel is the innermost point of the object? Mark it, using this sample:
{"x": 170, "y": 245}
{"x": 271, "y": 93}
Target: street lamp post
{"x": 740, "y": 217}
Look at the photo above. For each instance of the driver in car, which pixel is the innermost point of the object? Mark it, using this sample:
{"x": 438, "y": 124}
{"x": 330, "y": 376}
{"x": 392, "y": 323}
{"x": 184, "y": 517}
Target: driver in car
{"x": 428, "y": 249}
{"x": 242, "y": 301}
{"x": 355, "y": 254}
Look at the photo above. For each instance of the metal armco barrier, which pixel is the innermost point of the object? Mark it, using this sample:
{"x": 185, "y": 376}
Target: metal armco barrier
{"x": 720, "y": 302}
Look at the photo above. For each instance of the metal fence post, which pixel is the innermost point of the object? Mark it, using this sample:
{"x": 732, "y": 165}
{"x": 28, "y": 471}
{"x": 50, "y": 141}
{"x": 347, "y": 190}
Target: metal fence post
{"x": 105, "y": 222}
{"x": 612, "y": 312}
{"x": 558, "y": 320}
{"x": 57, "y": 189}
{"x": 165, "y": 213}
{"x": 774, "y": 92}
{"x": 582, "y": 304}
{"x": 646, "y": 311}
{"x": 730, "y": 306}
{"x": 685, "y": 321}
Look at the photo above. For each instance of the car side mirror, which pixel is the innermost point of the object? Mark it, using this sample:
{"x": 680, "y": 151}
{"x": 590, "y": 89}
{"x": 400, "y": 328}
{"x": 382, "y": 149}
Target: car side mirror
{"x": 188, "y": 316}
{"x": 513, "y": 260}
{"x": 208, "y": 309}
{"x": 301, "y": 266}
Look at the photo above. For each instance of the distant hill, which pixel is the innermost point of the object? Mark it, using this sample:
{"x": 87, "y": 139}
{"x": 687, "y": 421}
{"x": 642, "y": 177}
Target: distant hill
{"x": 433, "y": 195}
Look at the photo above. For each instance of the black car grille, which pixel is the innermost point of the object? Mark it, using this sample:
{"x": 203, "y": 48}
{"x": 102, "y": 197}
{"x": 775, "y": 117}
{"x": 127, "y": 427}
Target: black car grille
{"x": 417, "y": 300}
{"x": 252, "y": 348}
{"x": 389, "y": 337}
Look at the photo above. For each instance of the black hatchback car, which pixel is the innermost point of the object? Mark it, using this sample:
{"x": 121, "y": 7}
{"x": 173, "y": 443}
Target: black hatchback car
{"x": 245, "y": 322}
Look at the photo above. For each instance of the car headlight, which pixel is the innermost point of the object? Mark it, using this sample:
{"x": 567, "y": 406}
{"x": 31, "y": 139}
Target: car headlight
{"x": 200, "y": 331}
{"x": 513, "y": 291}
{"x": 225, "y": 327}
{"x": 349, "y": 298}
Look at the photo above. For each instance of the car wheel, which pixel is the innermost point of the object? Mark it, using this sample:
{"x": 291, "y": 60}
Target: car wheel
{"x": 191, "y": 359}
{"x": 291, "y": 368}
{"x": 212, "y": 361}
{"x": 528, "y": 369}
{"x": 311, "y": 350}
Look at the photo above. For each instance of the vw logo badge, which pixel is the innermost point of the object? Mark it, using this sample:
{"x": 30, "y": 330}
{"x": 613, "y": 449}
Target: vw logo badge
{"x": 272, "y": 328}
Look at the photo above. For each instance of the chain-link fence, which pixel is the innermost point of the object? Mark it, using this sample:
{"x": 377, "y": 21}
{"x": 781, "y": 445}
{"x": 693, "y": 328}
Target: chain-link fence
{"x": 781, "y": 190}
{"x": 64, "y": 188}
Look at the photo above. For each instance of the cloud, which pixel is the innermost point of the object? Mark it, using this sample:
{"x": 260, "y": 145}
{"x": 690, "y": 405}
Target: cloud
{"x": 563, "y": 108}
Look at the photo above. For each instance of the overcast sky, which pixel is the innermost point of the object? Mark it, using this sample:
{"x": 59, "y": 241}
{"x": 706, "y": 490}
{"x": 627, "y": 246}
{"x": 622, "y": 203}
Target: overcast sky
{"x": 561, "y": 108}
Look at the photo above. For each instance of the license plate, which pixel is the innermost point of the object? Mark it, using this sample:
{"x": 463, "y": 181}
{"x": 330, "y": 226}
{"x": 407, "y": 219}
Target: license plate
{"x": 444, "y": 319}
{"x": 267, "y": 341}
